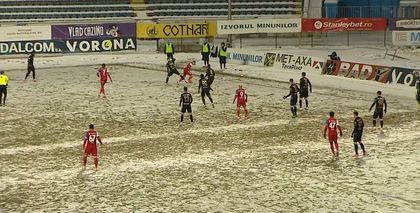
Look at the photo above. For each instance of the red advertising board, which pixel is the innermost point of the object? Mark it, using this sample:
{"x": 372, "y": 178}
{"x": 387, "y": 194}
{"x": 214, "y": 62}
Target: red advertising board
{"x": 358, "y": 71}
{"x": 343, "y": 24}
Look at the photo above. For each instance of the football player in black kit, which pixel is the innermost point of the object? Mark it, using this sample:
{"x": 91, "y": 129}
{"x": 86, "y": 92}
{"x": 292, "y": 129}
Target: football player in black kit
{"x": 357, "y": 133}
{"x": 210, "y": 76}
{"x": 171, "y": 69}
{"x": 185, "y": 104}
{"x": 205, "y": 89}
{"x": 31, "y": 67}
{"x": 380, "y": 108}
{"x": 294, "y": 89}
{"x": 305, "y": 88}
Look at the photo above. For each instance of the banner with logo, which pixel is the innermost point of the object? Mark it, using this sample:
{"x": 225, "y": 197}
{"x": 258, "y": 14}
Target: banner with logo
{"x": 87, "y": 31}
{"x": 344, "y": 24}
{"x": 357, "y": 70}
{"x": 25, "y": 47}
{"x": 404, "y": 24}
{"x": 406, "y": 38}
{"x": 245, "y": 57}
{"x": 174, "y": 30}
{"x": 68, "y": 46}
{"x": 25, "y": 33}
{"x": 382, "y": 74}
{"x": 258, "y": 26}
{"x": 404, "y": 76}
{"x": 292, "y": 62}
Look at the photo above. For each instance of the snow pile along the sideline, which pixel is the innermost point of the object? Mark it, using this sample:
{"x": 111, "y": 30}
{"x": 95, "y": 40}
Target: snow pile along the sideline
{"x": 147, "y": 58}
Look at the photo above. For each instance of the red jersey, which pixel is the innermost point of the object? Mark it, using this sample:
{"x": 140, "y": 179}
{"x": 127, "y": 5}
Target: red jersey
{"x": 90, "y": 139}
{"x": 331, "y": 126}
{"x": 241, "y": 95}
{"x": 187, "y": 69}
{"x": 104, "y": 74}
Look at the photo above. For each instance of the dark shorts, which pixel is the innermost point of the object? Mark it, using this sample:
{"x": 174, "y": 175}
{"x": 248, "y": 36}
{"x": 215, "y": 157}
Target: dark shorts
{"x": 357, "y": 136}
{"x": 206, "y": 56}
{"x": 31, "y": 69}
{"x": 171, "y": 72}
{"x": 3, "y": 89}
{"x": 378, "y": 113}
{"x": 293, "y": 100}
{"x": 222, "y": 59}
{"x": 210, "y": 79}
{"x": 205, "y": 92}
{"x": 304, "y": 94}
{"x": 186, "y": 108}
{"x": 169, "y": 55}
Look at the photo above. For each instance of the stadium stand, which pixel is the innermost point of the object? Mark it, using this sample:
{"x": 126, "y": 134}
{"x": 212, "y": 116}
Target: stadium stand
{"x": 65, "y": 10}
{"x": 169, "y": 9}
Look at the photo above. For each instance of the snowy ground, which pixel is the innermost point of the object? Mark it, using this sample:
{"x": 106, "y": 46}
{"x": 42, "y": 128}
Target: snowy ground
{"x": 151, "y": 163}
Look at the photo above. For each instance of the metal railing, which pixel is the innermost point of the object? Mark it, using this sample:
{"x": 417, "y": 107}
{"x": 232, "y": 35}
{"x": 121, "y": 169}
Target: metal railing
{"x": 408, "y": 12}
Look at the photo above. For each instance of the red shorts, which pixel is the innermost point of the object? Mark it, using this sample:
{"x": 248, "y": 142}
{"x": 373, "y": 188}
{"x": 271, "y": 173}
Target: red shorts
{"x": 103, "y": 81}
{"x": 91, "y": 150}
{"x": 332, "y": 138}
{"x": 241, "y": 104}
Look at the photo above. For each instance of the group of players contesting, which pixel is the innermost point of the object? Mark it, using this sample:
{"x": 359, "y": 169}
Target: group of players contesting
{"x": 296, "y": 92}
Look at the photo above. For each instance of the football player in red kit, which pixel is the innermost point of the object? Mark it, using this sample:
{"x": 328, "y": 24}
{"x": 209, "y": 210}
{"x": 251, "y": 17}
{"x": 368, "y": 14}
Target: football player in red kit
{"x": 331, "y": 126}
{"x": 241, "y": 98}
{"x": 187, "y": 71}
{"x": 89, "y": 145}
{"x": 103, "y": 75}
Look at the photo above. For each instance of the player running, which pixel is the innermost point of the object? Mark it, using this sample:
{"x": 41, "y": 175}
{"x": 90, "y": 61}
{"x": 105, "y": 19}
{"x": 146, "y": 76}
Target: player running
{"x": 185, "y": 102}
{"x": 241, "y": 98}
{"x": 31, "y": 67}
{"x": 210, "y": 76}
{"x": 331, "y": 126}
{"x": 305, "y": 88}
{"x": 89, "y": 145}
{"x": 187, "y": 71}
{"x": 103, "y": 75}
{"x": 205, "y": 89}
{"x": 357, "y": 134}
{"x": 293, "y": 91}
{"x": 380, "y": 108}
{"x": 171, "y": 69}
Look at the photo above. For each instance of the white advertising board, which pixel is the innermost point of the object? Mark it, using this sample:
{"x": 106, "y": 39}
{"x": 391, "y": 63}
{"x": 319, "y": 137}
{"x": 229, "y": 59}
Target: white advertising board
{"x": 258, "y": 26}
{"x": 25, "y": 33}
{"x": 406, "y": 38}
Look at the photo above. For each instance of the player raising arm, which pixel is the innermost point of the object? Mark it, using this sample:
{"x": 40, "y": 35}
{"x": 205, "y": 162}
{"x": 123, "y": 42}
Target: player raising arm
{"x": 331, "y": 127}
{"x": 89, "y": 145}
{"x": 241, "y": 98}
{"x": 203, "y": 85}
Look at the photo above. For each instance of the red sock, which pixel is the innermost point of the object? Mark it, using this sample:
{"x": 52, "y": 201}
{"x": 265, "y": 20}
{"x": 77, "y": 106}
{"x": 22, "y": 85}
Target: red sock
{"x": 102, "y": 91}
{"x": 336, "y": 145}
{"x": 238, "y": 112}
{"x": 84, "y": 160}
{"x": 96, "y": 162}
{"x": 246, "y": 112}
{"x": 332, "y": 147}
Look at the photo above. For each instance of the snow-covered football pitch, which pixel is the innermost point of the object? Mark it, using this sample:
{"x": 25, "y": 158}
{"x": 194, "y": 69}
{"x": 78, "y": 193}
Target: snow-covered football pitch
{"x": 151, "y": 163}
